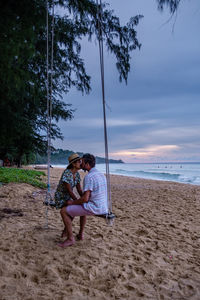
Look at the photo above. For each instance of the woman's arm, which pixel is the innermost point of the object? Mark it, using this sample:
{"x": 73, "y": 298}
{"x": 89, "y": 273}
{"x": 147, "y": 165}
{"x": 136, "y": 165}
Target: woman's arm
{"x": 79, "y": 189}
{"x": 83, "y": 199}
{"x": 69, "y": 190}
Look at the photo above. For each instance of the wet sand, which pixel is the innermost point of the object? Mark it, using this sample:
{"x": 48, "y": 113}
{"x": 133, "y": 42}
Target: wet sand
{"x": 151, "y": 252}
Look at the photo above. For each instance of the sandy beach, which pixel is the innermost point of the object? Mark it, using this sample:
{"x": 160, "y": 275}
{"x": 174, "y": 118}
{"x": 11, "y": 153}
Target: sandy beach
{"x": 151, "y": 252}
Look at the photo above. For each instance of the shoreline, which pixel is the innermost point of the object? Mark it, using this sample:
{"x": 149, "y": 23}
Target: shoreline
{"x": 118, "y": 175}
{"x": 151, "y": 251}
{"x": 44, "y": 168}
{"x": 187, "y": 175}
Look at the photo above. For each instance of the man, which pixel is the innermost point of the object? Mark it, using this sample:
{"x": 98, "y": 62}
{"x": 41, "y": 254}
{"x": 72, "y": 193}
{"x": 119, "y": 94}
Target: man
{"x": 93, "y": 202}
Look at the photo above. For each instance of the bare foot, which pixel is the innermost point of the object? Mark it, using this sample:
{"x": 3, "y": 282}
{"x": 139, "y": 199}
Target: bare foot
{"x": 66, "y": 243}
{"x": 80, "y": 236}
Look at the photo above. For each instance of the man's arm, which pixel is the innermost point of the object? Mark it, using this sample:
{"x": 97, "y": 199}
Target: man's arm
{"x": 83, "y": 199}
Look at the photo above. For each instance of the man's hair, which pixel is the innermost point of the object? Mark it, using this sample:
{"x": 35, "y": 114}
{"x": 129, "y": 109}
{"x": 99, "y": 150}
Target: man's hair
{"x": 90, "y": 159}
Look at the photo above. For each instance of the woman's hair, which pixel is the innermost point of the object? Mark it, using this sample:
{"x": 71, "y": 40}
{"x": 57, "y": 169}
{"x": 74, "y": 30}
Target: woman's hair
{"x": 70, "y": 166}
{"x": 90, "y": 159}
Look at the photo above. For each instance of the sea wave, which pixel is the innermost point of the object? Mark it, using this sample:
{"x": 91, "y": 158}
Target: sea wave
{"x": 193, "y": 179}
{"x": 178, "y": 173}
{"x": 146, "y": 174}
{"x": 166, "y": 176}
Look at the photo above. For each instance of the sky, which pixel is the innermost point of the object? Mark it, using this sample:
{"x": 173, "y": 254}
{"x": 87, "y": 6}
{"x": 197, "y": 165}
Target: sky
{"x": 156, "y": 116}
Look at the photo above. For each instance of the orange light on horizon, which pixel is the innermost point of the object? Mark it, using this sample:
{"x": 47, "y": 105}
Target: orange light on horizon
{"x": 147, "y": 152}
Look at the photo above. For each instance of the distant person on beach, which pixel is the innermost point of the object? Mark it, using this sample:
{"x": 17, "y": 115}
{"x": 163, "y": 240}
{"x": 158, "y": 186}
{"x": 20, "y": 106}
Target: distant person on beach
{"x": 93, "y": 202}
{"x": 6, "y": 162}
{"x": 64, "y": 192}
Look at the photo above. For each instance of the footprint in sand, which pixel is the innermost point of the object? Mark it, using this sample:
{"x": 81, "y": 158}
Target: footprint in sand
{"x": 8, "y": 212}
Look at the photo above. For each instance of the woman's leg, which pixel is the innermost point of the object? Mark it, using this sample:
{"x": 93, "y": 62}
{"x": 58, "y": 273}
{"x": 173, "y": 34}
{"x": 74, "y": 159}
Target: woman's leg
{"x": 67, "y": 220}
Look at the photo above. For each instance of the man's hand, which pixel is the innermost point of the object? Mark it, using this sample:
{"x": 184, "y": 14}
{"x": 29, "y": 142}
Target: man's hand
{"x": 69, "y": 202}
{"x": 83, "y": 199}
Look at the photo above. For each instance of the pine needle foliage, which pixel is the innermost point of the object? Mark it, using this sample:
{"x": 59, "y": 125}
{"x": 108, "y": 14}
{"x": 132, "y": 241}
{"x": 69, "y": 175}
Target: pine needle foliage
{"x": 23, "y": 56}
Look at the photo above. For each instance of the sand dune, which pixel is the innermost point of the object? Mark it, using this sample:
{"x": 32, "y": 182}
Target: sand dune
{"x": 151, "y": 252}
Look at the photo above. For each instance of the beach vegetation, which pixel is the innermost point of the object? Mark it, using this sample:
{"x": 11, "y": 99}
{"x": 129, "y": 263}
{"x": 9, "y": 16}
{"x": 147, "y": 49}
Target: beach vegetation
{"x": 32, "y": 177}
{"x": 23, "y": 70}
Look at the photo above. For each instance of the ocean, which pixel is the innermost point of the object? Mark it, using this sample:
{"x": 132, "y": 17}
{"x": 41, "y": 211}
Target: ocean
{"x": 177, "y": 172}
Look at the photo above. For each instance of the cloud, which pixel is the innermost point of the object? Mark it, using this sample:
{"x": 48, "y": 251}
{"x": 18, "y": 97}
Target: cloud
{"x": 98, "y": 123}
{"x": 148, "y": 151}
{"x": 160, "y": 105}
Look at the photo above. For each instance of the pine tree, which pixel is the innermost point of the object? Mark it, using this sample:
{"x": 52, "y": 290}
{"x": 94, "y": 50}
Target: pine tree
{"x": 172, "y": 4}
{"x": 23, "y": 66}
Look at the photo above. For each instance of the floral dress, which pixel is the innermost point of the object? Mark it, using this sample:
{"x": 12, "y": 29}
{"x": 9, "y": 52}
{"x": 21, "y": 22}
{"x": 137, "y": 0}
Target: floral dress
{"x": 61, "y": 194}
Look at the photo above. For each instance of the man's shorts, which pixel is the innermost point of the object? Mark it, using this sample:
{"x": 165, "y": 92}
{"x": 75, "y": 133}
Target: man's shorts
{"x": 78, "y": 210}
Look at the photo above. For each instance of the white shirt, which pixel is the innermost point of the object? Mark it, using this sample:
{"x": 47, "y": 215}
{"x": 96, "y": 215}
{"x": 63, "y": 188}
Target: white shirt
{"x": 95, "y": 182}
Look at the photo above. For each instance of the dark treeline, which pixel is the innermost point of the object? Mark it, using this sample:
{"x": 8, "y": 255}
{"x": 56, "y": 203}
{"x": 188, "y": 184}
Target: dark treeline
{"x": 60, "y": 157}
{"x": 23, "y": 56}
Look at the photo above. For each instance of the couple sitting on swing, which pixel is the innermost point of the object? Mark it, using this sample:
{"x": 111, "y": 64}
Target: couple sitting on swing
{"x": 93, "y": 197}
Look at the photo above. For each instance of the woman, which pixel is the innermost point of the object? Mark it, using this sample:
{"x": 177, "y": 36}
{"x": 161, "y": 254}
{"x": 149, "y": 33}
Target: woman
{"x": 70, "y": 179}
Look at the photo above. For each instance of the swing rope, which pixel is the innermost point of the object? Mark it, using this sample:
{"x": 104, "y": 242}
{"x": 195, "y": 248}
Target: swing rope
{"x": 48, "y": 201}
{"x": 49, "y": 89}
{"x": 110, "y": 215}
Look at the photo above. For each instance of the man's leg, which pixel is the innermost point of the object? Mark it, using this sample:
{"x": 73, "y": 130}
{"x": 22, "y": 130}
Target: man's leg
{"x": 68, "y": 213}
{"x": 67, "y": 220}
{"x": 80, "y": 235}
{"x": 64, "y": 233}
